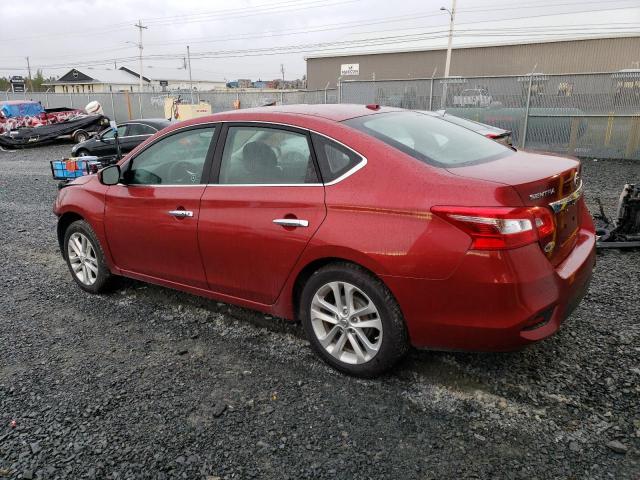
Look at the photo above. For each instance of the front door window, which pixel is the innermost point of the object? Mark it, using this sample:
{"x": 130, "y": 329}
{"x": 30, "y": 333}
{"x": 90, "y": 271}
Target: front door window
{"x": 175, "y": 160}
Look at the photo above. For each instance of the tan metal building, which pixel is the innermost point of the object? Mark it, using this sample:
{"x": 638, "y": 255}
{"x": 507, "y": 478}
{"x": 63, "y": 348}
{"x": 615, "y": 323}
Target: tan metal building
{"x": 569, "y": 56}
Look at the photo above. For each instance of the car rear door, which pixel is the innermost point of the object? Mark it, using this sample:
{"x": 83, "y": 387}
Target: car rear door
{"x": 263, "y": 205}
{"x": 151, "y": 217}
{"x": 136, "y": 134}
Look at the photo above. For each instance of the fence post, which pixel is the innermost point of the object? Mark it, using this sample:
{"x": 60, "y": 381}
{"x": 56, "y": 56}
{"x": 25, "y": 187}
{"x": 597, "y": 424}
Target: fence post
{"x": 634, "y": 137}
{"x": 113, "y": 108}
{"x": 281, "y": 98}
{"x": 339, "y": 89}
{"x": 128, "y": 99}
{"x": 46, "y": 97}
{"x": 6, "y": 94}
{"x": 431, "y": 96}
{"x": 526, "y": 113}
{"x": 70, "y": 100}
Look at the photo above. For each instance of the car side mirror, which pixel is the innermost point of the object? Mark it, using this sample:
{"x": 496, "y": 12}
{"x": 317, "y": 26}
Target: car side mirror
{"x": 109, "y": 175}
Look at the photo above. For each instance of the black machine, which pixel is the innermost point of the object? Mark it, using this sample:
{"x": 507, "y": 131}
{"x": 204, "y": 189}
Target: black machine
{"x": 624, "y": 230}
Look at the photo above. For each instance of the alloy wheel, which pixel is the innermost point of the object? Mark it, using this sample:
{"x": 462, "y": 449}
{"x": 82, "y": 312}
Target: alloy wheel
{"x": 346, "y": 322}
{"x": 82, "y": 258}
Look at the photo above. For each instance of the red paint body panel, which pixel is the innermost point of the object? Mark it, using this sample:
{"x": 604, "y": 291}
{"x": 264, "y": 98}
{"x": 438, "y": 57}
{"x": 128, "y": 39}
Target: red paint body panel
{"x": 144, "y": 239}
{"x": 379, "y": 217}
{"x": 245, "y": 254}
{"x": 495, "y": 294}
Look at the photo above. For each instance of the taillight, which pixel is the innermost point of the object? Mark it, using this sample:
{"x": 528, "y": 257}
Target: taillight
{"x": 499, "y": 228}
{"x": 492, "y": 135}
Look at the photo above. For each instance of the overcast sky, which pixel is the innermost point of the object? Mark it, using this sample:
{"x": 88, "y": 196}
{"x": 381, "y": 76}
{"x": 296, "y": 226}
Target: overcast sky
{"x": 240, "y": 37}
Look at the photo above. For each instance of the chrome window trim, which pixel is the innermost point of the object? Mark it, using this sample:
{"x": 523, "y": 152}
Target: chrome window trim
{"x": 361, "y": 164}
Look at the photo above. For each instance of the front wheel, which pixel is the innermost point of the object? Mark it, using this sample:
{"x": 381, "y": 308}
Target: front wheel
{"x": 352, "y": 320}
{"x": 85, "y": 258}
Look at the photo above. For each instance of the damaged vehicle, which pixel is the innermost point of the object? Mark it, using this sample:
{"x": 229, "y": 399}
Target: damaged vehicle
{"x": 377, "y": 228}
{"x": 624, "y": 230}
{"x": 26, "y": 123}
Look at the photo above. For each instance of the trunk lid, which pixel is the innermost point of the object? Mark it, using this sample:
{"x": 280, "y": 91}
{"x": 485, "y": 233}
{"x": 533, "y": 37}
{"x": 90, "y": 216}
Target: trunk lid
{"x": 540, "y": 180}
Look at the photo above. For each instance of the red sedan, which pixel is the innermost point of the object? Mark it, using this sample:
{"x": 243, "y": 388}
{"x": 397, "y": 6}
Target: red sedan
{"x": 377, "y": 228}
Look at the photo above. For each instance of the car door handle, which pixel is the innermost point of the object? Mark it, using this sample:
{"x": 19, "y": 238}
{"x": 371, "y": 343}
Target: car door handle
{"x": 291, "y": 222}
{"x": 181, "y": 213}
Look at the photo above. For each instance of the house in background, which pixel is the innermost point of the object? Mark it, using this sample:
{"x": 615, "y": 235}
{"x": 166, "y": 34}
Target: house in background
{"x": 94, "y": 80}
{"x": 124, "y": 79}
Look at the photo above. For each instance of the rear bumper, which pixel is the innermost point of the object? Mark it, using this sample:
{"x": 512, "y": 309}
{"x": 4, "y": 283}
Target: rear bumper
{"x": 496, "y": 301}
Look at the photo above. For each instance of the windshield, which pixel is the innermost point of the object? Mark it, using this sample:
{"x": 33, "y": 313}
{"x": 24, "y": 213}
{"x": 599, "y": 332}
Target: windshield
{"x": 430, "y": 139}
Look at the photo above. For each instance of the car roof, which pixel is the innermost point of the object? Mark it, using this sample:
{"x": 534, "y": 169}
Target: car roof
{"x": 335, "y": 112}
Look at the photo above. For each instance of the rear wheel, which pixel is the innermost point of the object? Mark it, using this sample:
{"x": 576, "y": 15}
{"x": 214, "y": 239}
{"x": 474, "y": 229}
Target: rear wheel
{"x": 82, "y": 152}
{"x": 80, "y": 136}
{"x": 85, "y": 258}
{"x": 352, "y": 320}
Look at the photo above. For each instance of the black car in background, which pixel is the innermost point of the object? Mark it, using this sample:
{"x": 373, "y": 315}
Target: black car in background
{"x": 131, "y": 134}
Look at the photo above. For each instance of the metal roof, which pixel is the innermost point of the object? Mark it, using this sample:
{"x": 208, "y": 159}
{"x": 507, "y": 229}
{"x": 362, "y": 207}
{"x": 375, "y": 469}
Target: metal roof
{"x": 102, "y": 76}
{"x": 365, "y": 51}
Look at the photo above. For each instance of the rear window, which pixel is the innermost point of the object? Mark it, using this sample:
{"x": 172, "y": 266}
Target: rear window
{"x": 334, "y": 159}
{"x": 430, "y": 139}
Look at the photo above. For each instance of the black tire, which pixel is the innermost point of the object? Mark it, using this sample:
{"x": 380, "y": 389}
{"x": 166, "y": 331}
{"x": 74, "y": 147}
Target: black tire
{"x": 103, "y": 279}
{"x": 83, "y": 152}
{"x": 80, "y": 136}
{"x": 394, "y": 343}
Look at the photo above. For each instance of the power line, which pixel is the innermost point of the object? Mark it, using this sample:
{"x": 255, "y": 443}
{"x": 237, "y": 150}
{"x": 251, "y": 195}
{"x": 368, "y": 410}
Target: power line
{"x": 356, "y": 43}
{"x": 338, "y": 45}
{"x": 238, "y": 13}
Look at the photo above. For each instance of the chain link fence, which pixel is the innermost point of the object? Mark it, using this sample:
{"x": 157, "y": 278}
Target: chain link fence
{"x": 125, "y": 106}
{"x": 589, "y": 115}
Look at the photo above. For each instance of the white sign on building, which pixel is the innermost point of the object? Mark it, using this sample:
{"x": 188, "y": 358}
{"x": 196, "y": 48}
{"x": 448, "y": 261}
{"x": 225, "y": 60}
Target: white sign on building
{"x": 350, "y": 69}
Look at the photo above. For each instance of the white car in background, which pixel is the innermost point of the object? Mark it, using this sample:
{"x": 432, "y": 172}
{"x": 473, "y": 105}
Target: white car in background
{"x": 473, "y": 97}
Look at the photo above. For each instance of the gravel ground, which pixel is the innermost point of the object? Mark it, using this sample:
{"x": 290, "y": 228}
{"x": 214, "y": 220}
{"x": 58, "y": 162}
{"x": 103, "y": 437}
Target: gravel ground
{"x": 152, "y": 383}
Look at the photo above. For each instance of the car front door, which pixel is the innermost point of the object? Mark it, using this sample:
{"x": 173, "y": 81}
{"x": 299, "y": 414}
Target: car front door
{"x": 151, "y": 217}
{"x": 267, "y": 203}
{"x": 105, "y": 144}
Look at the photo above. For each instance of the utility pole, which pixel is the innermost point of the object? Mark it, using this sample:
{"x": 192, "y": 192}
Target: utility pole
{"x": 140, "y": 27}
{"x": 190, "y": 78}
{"x": 282, "y": 70}
{"x": 452, "y": 17}
{"x": 29, "y": 70}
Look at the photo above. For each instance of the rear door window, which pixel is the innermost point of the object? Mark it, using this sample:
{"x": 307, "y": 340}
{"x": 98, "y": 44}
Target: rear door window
{"x": 135, "y": 129}
{"x": 266, "y": 155}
